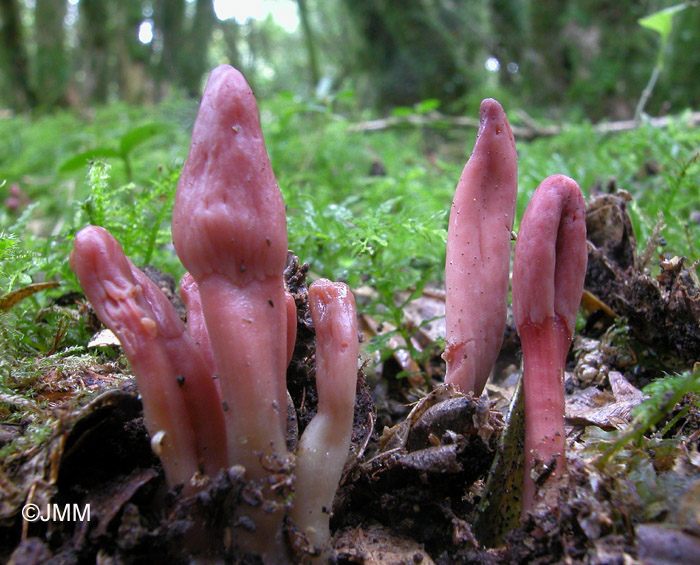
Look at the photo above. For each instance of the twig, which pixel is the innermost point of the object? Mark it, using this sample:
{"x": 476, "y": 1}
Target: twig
{"x": 527, "y": 132}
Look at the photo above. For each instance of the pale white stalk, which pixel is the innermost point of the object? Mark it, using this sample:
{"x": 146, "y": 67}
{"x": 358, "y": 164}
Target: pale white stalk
{"x": 325, "y": 443}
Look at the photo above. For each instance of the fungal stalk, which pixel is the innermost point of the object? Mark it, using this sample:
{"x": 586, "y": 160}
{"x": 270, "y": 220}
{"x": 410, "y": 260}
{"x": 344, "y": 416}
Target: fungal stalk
{"x": 478, "y": 253}
{"x": 181, "y": 404}
{"x": 548, "y": 274}
{"x": 325, "y": 442}
{"x": 229, "y": 231}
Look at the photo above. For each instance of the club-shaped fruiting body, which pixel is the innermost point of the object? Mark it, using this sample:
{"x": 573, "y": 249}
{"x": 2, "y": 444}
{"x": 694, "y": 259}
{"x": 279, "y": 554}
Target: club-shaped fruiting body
{"x": 325, "y": 443}
{"x": 181, "y": 405}
{"x": 548, "y": 274}
{"x": 478, "y": 253}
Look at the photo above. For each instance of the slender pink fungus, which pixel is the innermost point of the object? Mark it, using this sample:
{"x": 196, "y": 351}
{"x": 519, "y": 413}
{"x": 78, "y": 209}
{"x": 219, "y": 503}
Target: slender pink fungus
{"x": 478, "y": 253}
{"x": 325, "y": 442}
{"x": 548, "y": 273}
{"x": 229, "y": 230}
{"x": 196, "y": 324}
{"x": 181, "y": 404}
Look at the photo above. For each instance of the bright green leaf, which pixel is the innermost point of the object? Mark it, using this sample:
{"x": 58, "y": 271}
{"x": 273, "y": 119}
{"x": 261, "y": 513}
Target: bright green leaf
{"x": 662, "y": 21}
{"x": 81, "y": 159}
{"x": 138, "y": 135}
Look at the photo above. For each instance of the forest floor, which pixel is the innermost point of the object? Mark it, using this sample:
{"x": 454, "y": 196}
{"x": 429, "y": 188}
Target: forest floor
{"x": 434, "y": 476}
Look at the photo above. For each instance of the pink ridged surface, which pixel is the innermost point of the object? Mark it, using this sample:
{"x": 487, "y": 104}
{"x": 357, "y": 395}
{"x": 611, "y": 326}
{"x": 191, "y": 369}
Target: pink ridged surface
{"x": 478, "y": 253}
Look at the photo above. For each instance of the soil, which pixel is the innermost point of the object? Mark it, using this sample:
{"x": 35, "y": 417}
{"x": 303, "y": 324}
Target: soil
{"x": 433, "y": 475}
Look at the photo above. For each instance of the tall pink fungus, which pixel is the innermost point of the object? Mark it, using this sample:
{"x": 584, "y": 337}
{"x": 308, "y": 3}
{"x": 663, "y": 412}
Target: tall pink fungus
{"x": 181, "y": 405}
{"x": 478, "y": 253}
{"x": 548, "y": 274}
{"x": 229, "y": 230}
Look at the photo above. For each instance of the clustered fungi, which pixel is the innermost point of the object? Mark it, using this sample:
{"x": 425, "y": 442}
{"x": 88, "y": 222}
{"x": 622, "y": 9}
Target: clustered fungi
{"x": 214, "y": 392}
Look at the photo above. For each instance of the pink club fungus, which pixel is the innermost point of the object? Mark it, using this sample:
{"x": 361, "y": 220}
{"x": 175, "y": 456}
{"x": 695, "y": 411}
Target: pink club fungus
{"x": 181, "y": 405}
{"x": 548, "y": 273}
{"x": 478, "y": 253}
{"x": 325, "y": 442}
{"x": 229, "y": 230}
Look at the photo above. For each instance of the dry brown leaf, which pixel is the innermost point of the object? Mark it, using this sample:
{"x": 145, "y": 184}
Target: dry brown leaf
{"x": 603, "y": 408}
{"x": 16, "y": 296}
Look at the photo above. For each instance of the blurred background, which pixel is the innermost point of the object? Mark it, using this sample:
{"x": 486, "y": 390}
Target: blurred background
{"x": 582, "y": 57}
{"x": 369, "y": 110}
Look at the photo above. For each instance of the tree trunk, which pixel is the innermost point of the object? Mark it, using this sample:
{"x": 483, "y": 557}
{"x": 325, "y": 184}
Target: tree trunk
{"x": 508, "y": 25}
{"x": 193, "y": 63}
{"x": 546, "y": 67}
{"x": 413, "y": 51}
{"x": 94, "y": 15}
{"x": 309, "y": 41}
{"x": 132, "y": 55}
{"x": 52, "y": 70}
{"x": 13, "y": 56}
{"x": 169, "y": 19}
{"x": 230, "y": 30}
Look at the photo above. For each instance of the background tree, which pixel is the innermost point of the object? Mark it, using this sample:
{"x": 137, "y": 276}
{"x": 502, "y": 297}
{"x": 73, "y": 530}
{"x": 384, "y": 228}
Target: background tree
{"x": 95, "y": 39}
{"x": 557, "y": 57}
{"x": 309, "y": 42}
{"x": 51, "y": 62}
{"x": 14, "y": 82}
{"x": 133, "y": 57}
{"x": 169, "y": 19}
{"x": 193, "y": 59}
{"x": 414, "y": 50}
{"x": 508, "y": 24}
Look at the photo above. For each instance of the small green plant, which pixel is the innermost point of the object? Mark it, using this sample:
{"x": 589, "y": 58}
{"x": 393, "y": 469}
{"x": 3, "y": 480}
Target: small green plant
{"x": 15, "y": 263}
{"x": 138, "y": 216}
{"x": 664, "y": 395}
{"x": 662, "y": 23}
{"x": 127, "y": 144}
{"x": 395, "y": 249}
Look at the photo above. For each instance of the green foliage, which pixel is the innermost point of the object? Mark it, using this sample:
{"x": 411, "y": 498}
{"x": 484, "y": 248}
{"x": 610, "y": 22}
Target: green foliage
{"x": 15, "y": 263}
{"x": 664, "y": 396}
{"x": 35, "y": 245}
{"x": 33, "y": 151}
{"x": 128, "y": 142}
{"x": 392, "y": 248}
{"x": 137, "y": 216}
{"x": 662, "y": 23}
{"x": 658, "y": 166}
{"x": 367, "y": 208}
